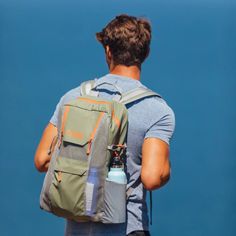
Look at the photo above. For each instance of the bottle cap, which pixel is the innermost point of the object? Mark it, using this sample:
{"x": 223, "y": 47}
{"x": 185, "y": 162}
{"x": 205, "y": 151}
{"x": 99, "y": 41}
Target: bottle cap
{"x": 116, "y": 162}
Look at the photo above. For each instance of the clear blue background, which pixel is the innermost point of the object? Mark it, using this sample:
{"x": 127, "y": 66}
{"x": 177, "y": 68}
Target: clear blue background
{"x": 48, "y": 47}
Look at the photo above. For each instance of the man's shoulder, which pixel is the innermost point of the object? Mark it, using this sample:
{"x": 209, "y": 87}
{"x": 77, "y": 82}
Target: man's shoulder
{"x": 154, "y": 106}
{"x": 155, "y": 101}
{"x": 71, "y": 94}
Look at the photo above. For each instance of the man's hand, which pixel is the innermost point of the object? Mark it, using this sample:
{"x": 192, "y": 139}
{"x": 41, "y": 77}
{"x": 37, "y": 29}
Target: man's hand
{"x": 155, "y": 170}
{"x": 45, "y": 148}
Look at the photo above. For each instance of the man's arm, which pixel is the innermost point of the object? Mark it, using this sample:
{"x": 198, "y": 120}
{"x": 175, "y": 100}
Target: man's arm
{"x": 155, "y": 170}
{"x": 48, "y": 141}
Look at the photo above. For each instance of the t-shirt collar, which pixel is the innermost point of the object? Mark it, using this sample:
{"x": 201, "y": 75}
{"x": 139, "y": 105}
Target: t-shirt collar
{"x": 114, "y": 78}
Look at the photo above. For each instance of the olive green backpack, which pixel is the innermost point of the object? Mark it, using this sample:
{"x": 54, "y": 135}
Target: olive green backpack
{"x": 91, "y": 131}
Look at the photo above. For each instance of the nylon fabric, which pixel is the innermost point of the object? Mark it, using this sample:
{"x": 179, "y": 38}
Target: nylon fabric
{"x": 88, "y": 128}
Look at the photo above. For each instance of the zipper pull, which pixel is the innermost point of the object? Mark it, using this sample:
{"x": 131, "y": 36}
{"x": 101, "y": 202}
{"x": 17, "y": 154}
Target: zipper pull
{"x": 60, "y": 140}
{"x": 59, "y": 176}
{"x": 89, "y": 147}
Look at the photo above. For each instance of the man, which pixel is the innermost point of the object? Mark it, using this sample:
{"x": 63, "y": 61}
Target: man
{"x": 126, "y": 41}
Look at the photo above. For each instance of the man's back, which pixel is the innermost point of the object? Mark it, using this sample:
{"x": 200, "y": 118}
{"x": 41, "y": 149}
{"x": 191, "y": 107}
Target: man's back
{"x": 148, "y": 117}
{"x": 126, "y": 42}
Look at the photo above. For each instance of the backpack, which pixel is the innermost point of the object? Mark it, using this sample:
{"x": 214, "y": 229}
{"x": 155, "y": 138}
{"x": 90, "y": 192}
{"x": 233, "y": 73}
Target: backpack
{"x": 91, "y": 131}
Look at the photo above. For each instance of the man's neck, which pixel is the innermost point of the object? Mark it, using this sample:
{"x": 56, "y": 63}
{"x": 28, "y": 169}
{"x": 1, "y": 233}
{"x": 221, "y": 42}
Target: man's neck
{"x": 127, "y": 71}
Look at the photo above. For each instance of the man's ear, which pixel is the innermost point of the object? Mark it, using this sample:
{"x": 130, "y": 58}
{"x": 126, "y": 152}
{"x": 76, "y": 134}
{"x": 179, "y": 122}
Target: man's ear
{"x": 109, "y": 58}
{"x": 108, "y": 52}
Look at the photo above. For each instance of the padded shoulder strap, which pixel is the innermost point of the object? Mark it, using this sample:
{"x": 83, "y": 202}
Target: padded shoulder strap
{"x": 136, "y": 94}
{"x": 86, "y": 88}
{"x": 128, "y": 97}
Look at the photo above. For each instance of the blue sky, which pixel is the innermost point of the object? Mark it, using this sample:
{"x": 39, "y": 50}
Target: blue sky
{"x": 49, "y": 47}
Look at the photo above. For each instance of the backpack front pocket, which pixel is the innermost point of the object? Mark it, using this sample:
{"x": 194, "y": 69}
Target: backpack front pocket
{"x": 67, "y": 191}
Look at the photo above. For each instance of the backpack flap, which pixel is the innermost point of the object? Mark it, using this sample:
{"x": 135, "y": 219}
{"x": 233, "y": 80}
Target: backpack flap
{"x": 81, "y": 119}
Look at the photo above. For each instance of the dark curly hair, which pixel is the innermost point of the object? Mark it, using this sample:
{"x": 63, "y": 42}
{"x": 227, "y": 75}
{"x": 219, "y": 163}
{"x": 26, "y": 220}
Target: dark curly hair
{"x": 128, "y": 38}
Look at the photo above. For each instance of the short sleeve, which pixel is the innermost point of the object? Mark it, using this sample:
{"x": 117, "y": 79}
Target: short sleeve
{"x": 164, "y": 127}
{"x": 55, "y": 117}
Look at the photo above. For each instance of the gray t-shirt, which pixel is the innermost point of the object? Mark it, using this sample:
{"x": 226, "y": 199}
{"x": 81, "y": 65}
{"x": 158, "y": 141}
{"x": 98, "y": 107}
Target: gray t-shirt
{"x": 148, "y": 117}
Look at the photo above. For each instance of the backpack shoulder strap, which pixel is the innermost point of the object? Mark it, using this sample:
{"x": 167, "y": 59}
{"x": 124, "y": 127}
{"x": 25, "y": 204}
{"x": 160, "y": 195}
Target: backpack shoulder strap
{"x": 86, "y": 88}
{"x": 136, "y": 94}
{"x": 128, "y": 97}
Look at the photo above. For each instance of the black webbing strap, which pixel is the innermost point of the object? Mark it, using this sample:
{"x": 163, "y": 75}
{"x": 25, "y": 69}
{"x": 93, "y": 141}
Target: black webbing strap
{"x": 150, "y": 192}
{"x": 132, "y": 187}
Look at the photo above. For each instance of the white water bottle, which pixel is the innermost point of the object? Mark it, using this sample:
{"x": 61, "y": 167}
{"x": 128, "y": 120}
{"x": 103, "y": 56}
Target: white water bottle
{"x": 92, "y": 191}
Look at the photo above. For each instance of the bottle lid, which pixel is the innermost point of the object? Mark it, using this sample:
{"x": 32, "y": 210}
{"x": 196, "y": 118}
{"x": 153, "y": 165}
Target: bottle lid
{"x": 116, "y": 162}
